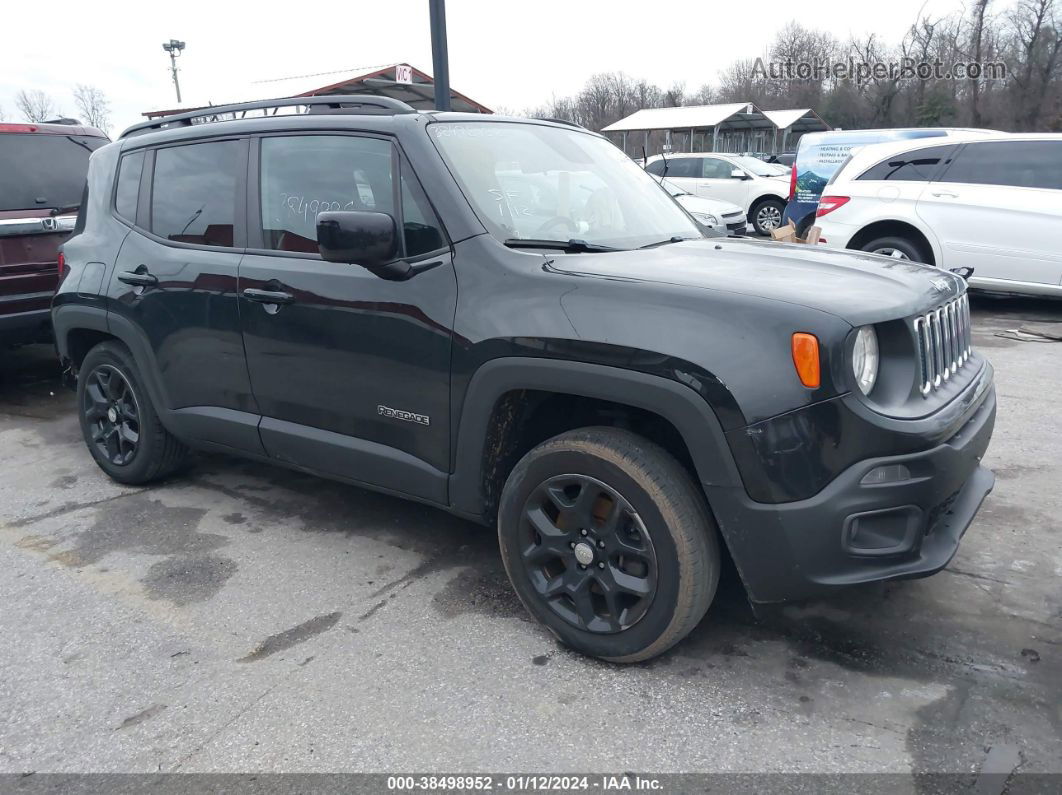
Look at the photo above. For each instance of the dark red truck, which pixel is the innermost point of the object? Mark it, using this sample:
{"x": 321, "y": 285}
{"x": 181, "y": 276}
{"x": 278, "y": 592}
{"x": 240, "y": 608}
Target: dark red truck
{"x": 42, "y": 176}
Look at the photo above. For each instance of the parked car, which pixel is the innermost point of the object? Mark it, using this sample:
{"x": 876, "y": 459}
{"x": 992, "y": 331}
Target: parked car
{"x": 990, "y": 205}
{"x": 720, "y": 218}
{"x": 783, "y": 159}
{"x": 819, "y": 155}
{"x": 352, "y": 293}
{"x": 759, "y": 188}
{"x": 42, "y": 175}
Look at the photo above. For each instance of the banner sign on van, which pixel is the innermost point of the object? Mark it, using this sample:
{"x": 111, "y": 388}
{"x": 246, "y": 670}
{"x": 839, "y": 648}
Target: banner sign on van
{"x": 821, "y": 154}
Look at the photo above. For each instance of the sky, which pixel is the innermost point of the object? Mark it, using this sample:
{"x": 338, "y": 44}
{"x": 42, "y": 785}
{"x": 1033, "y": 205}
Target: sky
{"x": 502, "y": 53}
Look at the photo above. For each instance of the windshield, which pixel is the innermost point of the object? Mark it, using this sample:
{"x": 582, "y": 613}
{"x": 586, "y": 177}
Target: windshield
{"x": 533, "y": 182}
{"x": 759, "y": 167}
{"x": 42, "y": 171}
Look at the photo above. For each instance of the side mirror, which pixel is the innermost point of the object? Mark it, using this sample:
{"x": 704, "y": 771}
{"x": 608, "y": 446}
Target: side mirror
{"x": 737, "y": 173}
{"x": 366, "y": 239}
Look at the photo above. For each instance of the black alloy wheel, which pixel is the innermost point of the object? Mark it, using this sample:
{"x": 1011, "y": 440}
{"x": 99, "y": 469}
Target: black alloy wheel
{"x": 587, "y": 554}
{"x": 113, "y": 414}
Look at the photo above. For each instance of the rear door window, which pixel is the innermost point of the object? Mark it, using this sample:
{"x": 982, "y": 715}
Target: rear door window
{"x": 1021, "y": 164}
{"x": 918, "y": 166}
{"x": 193, "y": 195}
{"x": 43, "y": 170}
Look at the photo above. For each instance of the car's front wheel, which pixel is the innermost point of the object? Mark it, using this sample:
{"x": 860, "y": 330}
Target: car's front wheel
{"x": 120, "y": 425}
{"x": 608, "y": 542}
{"x": 767, "y": 216}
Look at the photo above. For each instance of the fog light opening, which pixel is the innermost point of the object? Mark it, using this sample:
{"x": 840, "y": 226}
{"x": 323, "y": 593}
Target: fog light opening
{"x": 890, "y": 473}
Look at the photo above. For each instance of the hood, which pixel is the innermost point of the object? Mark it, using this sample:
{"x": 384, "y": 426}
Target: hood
{"x": 858, "y": 288}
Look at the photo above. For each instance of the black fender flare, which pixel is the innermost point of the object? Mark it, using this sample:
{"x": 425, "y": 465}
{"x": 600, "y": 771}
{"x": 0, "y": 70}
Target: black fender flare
{"x": 72, "y": 317}
{"x": 677, "y": 403}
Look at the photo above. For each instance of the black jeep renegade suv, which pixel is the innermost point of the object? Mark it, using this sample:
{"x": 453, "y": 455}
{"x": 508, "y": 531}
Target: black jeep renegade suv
{"x": 508, "y": 319}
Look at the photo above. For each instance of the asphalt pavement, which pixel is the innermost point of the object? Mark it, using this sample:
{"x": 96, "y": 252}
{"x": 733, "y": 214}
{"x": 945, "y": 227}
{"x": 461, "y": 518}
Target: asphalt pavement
{"x": 241, "y": 617}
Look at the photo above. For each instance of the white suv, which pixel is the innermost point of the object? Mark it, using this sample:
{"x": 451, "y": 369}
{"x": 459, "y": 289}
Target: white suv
{"x": 989, "y": 203}
{"x": 760, "y": 189}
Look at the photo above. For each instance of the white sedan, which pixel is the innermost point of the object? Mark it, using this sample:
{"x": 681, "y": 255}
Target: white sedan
{"x": 719, "y": 217}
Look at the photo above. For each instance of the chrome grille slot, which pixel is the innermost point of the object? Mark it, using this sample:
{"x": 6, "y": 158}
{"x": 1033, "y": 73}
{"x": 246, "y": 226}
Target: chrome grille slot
{"x": 944, "y": 340}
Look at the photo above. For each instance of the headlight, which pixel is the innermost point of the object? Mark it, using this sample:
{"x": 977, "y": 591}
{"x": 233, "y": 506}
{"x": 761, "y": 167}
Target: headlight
{"x": 706, "y": 218}
{"x": 865, "y": 358}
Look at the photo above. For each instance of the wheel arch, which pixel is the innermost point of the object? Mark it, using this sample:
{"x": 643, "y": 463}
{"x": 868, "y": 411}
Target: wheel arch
{"x": 755, "y": 203}
{"x": 504, "y": 393}
{"x": 79, "y": 328}
{"x": 895, "y": 228}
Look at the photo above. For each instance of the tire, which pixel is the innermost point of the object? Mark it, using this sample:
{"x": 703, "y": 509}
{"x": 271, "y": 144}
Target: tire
{"x": 766, "y": 215}
{"x": 805, "y": 224}
{"x": 657, "y": 551}
{"x": 113, "y": 408}
{"x": 898, "y": 247}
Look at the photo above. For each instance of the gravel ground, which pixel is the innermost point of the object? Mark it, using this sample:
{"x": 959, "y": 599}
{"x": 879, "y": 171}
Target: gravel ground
{"x": 246, "y": 618}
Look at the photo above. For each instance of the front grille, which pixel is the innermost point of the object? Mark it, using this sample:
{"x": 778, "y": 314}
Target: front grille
{"x": 943, "y": 343}
{"x": 733, "y": 216}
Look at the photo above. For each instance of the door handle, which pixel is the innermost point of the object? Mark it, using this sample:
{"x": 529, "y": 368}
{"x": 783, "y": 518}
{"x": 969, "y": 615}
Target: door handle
{"x": 139, "y": 278}
{"x": 945, "y": 194}
{"x": 268, "y": 296}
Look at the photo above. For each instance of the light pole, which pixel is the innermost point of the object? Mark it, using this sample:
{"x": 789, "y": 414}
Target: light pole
{"x": 440, "y": 59}
{"x": 174, "y": 48}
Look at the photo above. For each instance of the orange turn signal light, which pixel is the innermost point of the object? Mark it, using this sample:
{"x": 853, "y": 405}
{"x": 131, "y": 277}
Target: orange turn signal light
{"x": 806, "y": 359}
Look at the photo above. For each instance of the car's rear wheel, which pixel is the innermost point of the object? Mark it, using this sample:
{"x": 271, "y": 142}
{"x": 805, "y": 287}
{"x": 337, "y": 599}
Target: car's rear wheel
{"x": 896, "y": 247}
{"x": 118, "y": 421}
{"x": 609, "y": 543}
{"x": 767, "y": 216}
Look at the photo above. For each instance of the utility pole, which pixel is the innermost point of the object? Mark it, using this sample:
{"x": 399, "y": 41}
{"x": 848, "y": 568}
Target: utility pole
{"x": 174, "y": 48}
{"x": 439, "y": 58}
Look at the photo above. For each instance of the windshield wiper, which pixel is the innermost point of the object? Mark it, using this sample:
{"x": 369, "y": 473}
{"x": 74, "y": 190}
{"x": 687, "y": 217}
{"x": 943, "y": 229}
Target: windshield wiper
{"x": 675, "y": 239}
{"x": 574, "y": 246}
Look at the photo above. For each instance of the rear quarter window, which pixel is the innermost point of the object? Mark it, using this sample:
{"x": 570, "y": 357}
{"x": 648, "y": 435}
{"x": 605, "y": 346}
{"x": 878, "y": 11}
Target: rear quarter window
{"x": 922, "y": 165}
{"x": 127, "y": 191}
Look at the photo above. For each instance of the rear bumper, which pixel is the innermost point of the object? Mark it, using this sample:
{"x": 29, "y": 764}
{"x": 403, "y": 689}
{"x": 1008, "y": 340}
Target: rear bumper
{"x": 833, "y": 234}
{"x": 857, "y": 531}
{"x": 25, "y": 327}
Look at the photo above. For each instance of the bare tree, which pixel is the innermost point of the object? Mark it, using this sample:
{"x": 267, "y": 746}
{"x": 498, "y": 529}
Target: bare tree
{"x": 1036, "y": 50}
{"x": 35, "y": 105}
{"x": 977, "y": 48}
{"x": 1028, "y": 96}
{"x": 93, "y": 105}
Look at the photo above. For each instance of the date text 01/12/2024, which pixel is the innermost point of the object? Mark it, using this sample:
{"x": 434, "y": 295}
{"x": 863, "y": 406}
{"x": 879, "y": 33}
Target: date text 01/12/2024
{"x": 523, "y": 783}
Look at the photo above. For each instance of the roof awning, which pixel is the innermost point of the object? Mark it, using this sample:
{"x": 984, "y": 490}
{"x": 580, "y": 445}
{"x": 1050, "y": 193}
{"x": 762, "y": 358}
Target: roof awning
{"x": 419, "y": 92}
{"x": 689, "y": 117}
{"x": 799, "y": 119}
{"x": 742, "y": 115}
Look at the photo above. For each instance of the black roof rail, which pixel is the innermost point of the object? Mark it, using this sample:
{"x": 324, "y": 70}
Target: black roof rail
{"x": 338, "y": 103}
{"x": 568, "y": 122}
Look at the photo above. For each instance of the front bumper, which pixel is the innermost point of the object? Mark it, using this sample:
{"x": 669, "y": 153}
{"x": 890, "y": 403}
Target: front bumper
{"x": 857, "y": 531}
{"x": 736, "y": 226}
